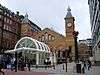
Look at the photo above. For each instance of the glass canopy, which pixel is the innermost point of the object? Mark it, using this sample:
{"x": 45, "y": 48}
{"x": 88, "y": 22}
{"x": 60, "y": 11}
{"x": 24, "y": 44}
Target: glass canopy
{"x": 30, "y": 44}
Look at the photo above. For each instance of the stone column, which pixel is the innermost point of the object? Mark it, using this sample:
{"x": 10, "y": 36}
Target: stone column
{"x": 51, "y": 58}
{"x": 37, "y": 58}
{"x": 55, "y": 60}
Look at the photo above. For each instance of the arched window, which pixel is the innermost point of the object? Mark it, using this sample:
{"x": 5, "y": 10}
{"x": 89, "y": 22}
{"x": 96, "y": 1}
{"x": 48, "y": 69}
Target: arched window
{"x": 39, "y": 38}
{"x": 49, "y": 36}
{"x": 52, "y": 38}
{"x": 43, "y": 38}
{"x": 46, "y": 36}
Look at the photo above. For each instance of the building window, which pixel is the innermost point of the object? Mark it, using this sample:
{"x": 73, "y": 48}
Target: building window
{"x": 52, "y": 37}
{"x": 39, "y": 39}
{"x": 5, "y": 19}
{"x": 43, "y": 38}
{"x": 4, "y": 26}
{"x": 10, "y": 21}
{"x": 46, "y": 36}
{"x": 49, "y": 36}
{"x": 0, "y": 16}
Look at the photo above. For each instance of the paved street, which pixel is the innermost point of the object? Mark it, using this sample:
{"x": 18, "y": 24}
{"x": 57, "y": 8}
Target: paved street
{"x": 59, "y": 70}
{"x": 24, "y": 73}
{"x": 71, "y": 70}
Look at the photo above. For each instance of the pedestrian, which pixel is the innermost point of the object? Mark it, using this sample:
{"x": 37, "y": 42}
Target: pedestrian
{"x": 83, "y": 66}
{"x": 89, "y": 64}
{"x": 1, "y": 69}
{"x": 29, "y": 65}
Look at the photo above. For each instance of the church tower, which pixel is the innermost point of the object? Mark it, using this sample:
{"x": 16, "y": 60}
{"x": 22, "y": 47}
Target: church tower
{"x": 69, "y": 30}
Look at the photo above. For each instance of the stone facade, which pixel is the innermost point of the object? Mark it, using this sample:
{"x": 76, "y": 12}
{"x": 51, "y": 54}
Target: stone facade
{"x": 28, "y": 28}
{"x": 69, "y": 30}
{"x": 54, "y": 40}
{"x": 83, "y": 50}
{"x": 9, "y": 29}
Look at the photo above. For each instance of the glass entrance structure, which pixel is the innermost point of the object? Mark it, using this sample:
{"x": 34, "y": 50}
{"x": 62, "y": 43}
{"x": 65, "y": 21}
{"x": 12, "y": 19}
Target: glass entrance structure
{"x": 31, "y": 49}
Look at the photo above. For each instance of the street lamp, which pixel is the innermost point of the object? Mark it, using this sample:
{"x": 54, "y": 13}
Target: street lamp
{"x": 66, "y": 58}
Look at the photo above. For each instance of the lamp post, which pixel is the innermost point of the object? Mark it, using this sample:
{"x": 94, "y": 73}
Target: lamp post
{"x": 75, "y": 33}
{"x": 16, "y": 62}
{"x": 66, "y": 58}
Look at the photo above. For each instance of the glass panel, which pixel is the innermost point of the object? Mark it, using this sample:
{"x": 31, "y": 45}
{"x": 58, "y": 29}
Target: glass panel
{"x": 38, "y": 45}
{"x": 0, "y": 16}
{"x": 26, "y": 43}
{"x": 41, "y": 46}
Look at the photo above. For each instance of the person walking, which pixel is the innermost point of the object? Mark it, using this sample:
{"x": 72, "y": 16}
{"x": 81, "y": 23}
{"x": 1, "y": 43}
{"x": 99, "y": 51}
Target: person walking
{"x": 89, "y": 64}
{"x": 1, "y": 68}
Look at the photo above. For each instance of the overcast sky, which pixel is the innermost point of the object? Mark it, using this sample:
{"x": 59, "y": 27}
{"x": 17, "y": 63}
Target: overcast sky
{"x": 51, "y": 13}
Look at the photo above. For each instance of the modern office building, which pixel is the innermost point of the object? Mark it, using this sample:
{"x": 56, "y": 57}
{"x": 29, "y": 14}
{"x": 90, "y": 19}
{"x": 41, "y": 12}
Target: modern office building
{"x": 94, "y": 7}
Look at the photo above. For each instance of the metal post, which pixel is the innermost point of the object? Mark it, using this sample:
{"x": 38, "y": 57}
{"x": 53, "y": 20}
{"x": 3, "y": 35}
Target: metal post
{"x": 76, "y": 46}
{"x": 16, "y": 64}
{"x": 66, "y": 59}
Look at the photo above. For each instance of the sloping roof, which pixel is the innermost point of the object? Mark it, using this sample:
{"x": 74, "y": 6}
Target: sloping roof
{"x": 48, "y": 29}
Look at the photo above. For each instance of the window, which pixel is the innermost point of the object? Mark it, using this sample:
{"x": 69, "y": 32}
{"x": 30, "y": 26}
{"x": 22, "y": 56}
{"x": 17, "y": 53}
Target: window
{"x": 5, "y": 19}
{"x": 49, "y": 36}
{"x": 46, "y": 36}
{"x": 53, "y": 38}
{"x": 0, "y": 16}
{"x": 10, "y": 21}
{"x": 39, "y": 38}
{"x": 43, "y": 38}
{"x": 4, "y": 26}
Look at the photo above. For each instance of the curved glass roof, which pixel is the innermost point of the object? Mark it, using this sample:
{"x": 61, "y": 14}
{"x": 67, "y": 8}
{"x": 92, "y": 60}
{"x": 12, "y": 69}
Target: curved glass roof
{"x": 30, "y": 44}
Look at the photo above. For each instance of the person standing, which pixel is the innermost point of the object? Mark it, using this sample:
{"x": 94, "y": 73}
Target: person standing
{"x": 1, "y": 67}
{"x": 29, "y": 65}
{"x": 89, "y": 64}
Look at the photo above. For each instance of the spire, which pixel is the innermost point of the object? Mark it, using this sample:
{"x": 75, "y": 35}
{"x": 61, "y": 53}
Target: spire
{"x": 26, "y": 20}
{"x": 69, "y": 12}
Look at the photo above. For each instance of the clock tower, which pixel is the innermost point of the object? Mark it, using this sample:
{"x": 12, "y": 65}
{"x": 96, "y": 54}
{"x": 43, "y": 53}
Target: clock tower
{"x": 69, "y": 30}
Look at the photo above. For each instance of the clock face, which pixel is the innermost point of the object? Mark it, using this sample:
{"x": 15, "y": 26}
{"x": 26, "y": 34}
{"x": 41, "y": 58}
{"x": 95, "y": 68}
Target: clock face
{"x": 69, "y": 24}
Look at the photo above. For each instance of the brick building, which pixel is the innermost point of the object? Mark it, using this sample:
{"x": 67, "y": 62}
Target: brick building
{"x": 58, "y": 43}
{"x": 10, "y": 29}
{"x": 85, "y": 48}
{"x": 28, "y": 28}
{"x": 13, "y": 27}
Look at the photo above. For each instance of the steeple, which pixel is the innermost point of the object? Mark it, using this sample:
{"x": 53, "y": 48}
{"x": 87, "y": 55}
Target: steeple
{"x": 68, "y": 13}
{"x": 26, "y": 20}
